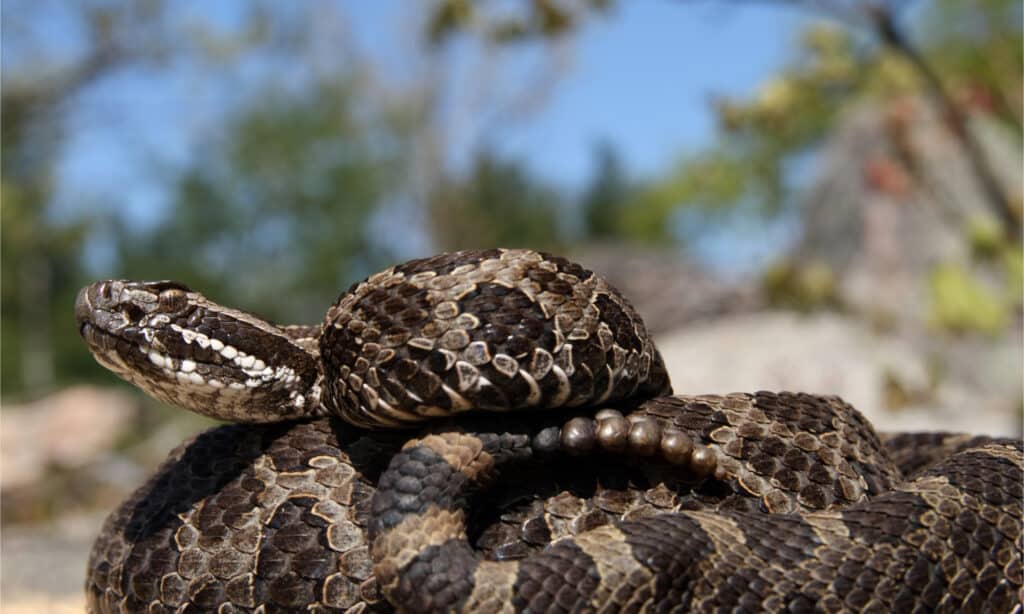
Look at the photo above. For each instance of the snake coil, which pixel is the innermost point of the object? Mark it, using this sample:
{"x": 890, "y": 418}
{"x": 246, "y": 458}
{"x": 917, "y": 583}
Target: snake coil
{"x": 764, "y": 501}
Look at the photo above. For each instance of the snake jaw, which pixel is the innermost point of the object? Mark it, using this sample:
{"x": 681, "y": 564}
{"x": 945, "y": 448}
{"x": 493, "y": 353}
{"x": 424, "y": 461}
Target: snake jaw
{"x": 183, "y": 349}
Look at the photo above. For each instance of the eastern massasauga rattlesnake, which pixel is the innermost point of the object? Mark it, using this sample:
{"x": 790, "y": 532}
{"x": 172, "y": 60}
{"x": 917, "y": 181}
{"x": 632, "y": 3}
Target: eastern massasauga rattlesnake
{"x": 641, "y": 502}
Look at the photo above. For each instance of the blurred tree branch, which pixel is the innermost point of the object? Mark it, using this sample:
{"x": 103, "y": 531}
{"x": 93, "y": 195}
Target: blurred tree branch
{"x": 881, "y": 18}
{"x": 42, "y": 87}
{"x": 891, "y": 34}
{"x": 39, "y": 259}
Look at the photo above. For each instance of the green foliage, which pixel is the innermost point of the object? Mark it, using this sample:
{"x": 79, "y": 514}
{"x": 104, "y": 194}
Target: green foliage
{"x": 1012, "y": 261}
{"x": 506, "y": 23}
{"x": 709, "y": 182}
{"x": 983, "y": 295}
{"x": 500, "y": 203}
{"x": 980, "y": 47}
{"x": 41, "y": 271}
{"x": 788, "y": 116}
{"x": 605, "y": 198}
{"x": 802, "y": 287}
{"x": 960, "y": 303}
{"x": 274, "y": 216}
{"x": 976, "y": 46}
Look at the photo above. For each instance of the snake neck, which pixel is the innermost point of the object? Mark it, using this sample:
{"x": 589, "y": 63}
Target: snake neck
{"x": 186, "y": 350}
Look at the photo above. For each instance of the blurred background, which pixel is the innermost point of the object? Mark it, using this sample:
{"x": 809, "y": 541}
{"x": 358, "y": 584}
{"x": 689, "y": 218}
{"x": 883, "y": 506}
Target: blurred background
{"x": 811, "y": 195}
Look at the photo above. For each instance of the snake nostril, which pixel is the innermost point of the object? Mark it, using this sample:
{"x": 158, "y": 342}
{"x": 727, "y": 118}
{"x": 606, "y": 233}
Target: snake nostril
{"x": 133, "y": 313}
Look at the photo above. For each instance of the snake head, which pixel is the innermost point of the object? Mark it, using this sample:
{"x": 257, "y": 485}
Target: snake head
{"x": 184, "y": 349}
{"x": 132, "y": 312}
{"x": 115, "y": 305}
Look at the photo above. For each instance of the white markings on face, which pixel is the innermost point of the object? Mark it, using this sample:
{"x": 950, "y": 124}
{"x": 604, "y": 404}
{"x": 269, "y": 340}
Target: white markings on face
{"x": 155, "y": 320}
{"x": 227, "y": 383}
{"x": 191, "y": 336}
{"x": 190, "y": 378}
{"x": 155, "y": 357}
{"x": 257, "y": 372}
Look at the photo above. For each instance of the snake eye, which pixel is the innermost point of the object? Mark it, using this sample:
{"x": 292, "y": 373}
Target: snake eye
{"x": 172, "y": 299}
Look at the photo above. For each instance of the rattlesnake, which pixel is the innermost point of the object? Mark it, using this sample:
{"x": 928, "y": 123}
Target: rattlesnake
{"x": 251, "y": 517}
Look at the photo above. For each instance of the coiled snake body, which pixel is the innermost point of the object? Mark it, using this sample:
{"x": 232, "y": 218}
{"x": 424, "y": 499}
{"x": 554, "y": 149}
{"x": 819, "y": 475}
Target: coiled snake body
{"x": 776, "y": 501}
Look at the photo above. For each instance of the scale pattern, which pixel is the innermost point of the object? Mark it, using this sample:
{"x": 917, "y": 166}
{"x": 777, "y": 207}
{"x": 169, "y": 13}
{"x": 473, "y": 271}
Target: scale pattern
{"x": 493, "y": 330}
{"x": 245, "y": 516}
{"x": 276, "y": 516}
{"x": 775, "y": 501}
{"x": 844, "y": 532}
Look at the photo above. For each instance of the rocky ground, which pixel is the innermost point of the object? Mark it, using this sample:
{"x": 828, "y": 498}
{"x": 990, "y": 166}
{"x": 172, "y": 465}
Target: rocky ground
{"x": 898, "y": 385}
{"x": 43, "y": 567}
{"x": 69, "y": 458}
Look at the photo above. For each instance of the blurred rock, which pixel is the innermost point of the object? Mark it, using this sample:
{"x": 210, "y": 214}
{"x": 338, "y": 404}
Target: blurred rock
{"x": 43, "y": 568}
{"x": 66, "y": 430}
{"x": 888, "y": 379}
{"x": 894, "y": 196}
{"x": 667, "y": 291}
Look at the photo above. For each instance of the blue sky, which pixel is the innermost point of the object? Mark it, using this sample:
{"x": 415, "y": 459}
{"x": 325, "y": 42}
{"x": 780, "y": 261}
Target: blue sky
{"x": 641, "y": 78}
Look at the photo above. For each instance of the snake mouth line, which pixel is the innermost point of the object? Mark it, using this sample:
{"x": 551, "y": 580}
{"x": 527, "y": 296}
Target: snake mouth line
{"x": 100, "y": 338}
{"x": 113, "y": 351}
{"x": 96, "y": 337}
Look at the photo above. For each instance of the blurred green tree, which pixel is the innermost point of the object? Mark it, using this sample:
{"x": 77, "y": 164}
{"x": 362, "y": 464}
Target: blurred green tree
{"x": 499, "y": 203}
{"x": 502, "y": 23}
{"x": 41, "y": 251}
{"x": 273, "y": 216}
{"x": 792, "y": 114}
{"x": 968, "y": 54}
{"x": 604, "y": 198}
{"x": 40, "y": 256}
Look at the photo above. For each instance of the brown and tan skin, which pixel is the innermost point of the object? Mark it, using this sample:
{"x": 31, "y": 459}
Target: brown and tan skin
{"x": 850, "y": 534}
{"x": 494, "y": 330}
{"x": 276, "y": 516}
